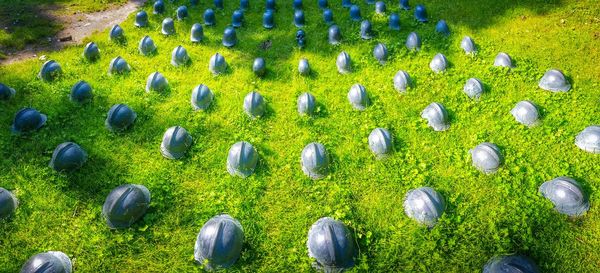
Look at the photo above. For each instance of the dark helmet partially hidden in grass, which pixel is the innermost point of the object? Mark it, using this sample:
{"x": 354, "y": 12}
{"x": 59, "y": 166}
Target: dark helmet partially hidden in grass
{"x": 380, "y": 53}
{"x": 146, "y": 46}
{"x": 468, "y": 45}
{"x": 526, "y": 113}
{"x": 394, "y": 21}
{"x": 486, "y": 157}
{"x": 175, "y": 143}
{"x": 259, "y": 67}
{"x": 125, "y": 205}
{"x": 270, "y": 5}
{"x": 566, "y": 195}
{"x": 68, "y": 156}
{"x": 381, "y": 142}
{"x": 299, "y": 20}
{"x": 197, "y": 33}
{"x": 328, "y": 16}
{"x": 331, "y": 244}
{"x": 182, "y": 12}
{"x": 297, "y": 4}
{"x": 209, "y": 17}
{"x": 510, "y": 264}
{"x": 358, "y": 98}
{"x": 424, "y": 205}
{"x": 589, "y": 139}
{"x": 237, "y": 18}
{"x": 168, "y": 26}
{"x": 436, "y": 116}
{"x": 421, "y": 14}
{"x": 306, "y": 104}
{"x": 442, "y": 27}
{"x": 254, "y": 105}
{"x": 343, "y": 63}
{"x": 179, "y": 56}
{"x": 50, "y": 71}
{"x": 219, "y": 242}
{"x": 117, "y": 34}
{"x": 355, "y": 13}
{"x": 315, "y": 160}
{"x": 334, "y": 35}
{"x": 8, "y": 203}
{"x": 28, "y": 120}
{"x": 413, "y": 41}
{"x": 401, "y": 81}
{"x": 81, "y": 93}
{"x": 554, "y": 80}
{"x": 346, "y": 3}
{"x": 473, "y": 88}
{"x": 301, "y": 38}
{"x": 118, "y": 65}
{"x": 268, "y": 19}
{"x": 439, "y": 63}
{"x": 303, "y": 67}
{"x": 366, "y": 30}
{"x": 120, "y": 117}
{"x": 6, "y": 92}
{"x": 91, "y": 52}
{"x": 244, "y": 4}
{"x": 156, "y": 82}
{"x": 242, "y": 159}
{"x": 141, "y": 19}
{"x": 159, "y": 7}
{"x": 503, "y": 60}
{"x": 217, "y": 64}
{"x": 323, "y": 4}
{"x": 51, "y": 261}
{"x": 202, "y": 97}
{"x": 218, "y": 4}
{"x": 404, "y": 5}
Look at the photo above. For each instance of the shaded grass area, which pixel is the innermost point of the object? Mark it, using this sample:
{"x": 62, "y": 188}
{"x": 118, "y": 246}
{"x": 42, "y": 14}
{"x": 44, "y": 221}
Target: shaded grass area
{"x": 33, "y": 22}
{"x": 486, "y": 215}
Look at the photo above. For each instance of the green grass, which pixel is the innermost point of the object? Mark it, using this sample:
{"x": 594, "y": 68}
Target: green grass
{"x": 486, "y": 215}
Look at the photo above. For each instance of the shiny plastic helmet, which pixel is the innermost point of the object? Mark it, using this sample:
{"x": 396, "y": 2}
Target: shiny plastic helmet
{"x": 306, "y": 104}
{"x": 91, "y": 52}
{"x": 8, "y": 203}
{"x": 589, "y": 139}
{"x": 468, "y": 45}
{"x": 125, "y": 205}
{"x": 510, "y": 264}
{"x": 303, "y": 67}
{"x": 346, "y": 3}
{"x": 179, "y": 56}
{"x": 323, "y": 4}
{"x": 526, "y": 113}
{"x": 413, "y": 41}
{"x": 120, "y": 118}
{"x": 401, "y": 81}
{"x": 6, "y": 93}
{"x": 355, "y": 13}
{"x": 442, "y": 28}
{"x": 218, "y": 4}
{"x": 421, "y": 14}
{"x": 268, "y": 19}
{"x": 503, "y": 60}
{"x": 473, "y": 88}
{"x": 331, "y": 244}
{"x": 156, "y": 82}
{"x": 159, "y": 7}
{"x": 254, "y": 105}
{"x": 219, "y": 242}
{"x": 168, "y": 26}
{"x": 81, "y": 92}
{"x": 259, "y": 67}
{"x": 51, "y": 262}
{"x": 146, "y": 46}
{"x": 244, "y": 4}
{"x": 439, "y": 63}
{"x": 328, "y": 16}
{"x": 237, "y": 18}
{"x": 381, "y": 142}
{"x": 202, "y": 97}
{"x": 182, "y": 12}
{"x": 567, "y": 196}
{"x": 141, "y": 19}
{"x": 315, "y": 160}
{"x": 380, "y": 7}
{"x": 554, "y": 80}
{"x": 68, "y": 157}
{"x": 334, "y": 36}
{"x": 197, "y": 33}
{"x": 117, "y": 34}
{"x": 394, "y": 21}
{"x": 301, "y": 38}
{"x": 486, "y": 157}
{"x": 118, "y": 65}
{"x": 424, "y": 205}
{"x": 380, "y": 53}
{"x": 175, "y": 143}
{"x": 27, "y": 120}
{"x": 358, "y": 97}
{"x": 343, "y": 63}
{"x": 50, "y": 71}
{"x": 404, "y": 5}
{"x": 209, "y": 17}
{"x": 217, "y": 64}
{"x": 270, "y": 5}
{"x": 436, "y": 116}
{"x": 297, "y": 4}
{"x": 242, "y": 159}
{"x": 299, "y": 20}
{"x": 366, "y": 30}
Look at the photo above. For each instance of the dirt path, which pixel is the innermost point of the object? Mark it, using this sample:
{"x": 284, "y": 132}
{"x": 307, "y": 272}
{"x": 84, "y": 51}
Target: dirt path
{"x": 77, "y": 27}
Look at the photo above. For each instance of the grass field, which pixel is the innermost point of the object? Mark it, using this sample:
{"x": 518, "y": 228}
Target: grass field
{"x": 486, "y": 215}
